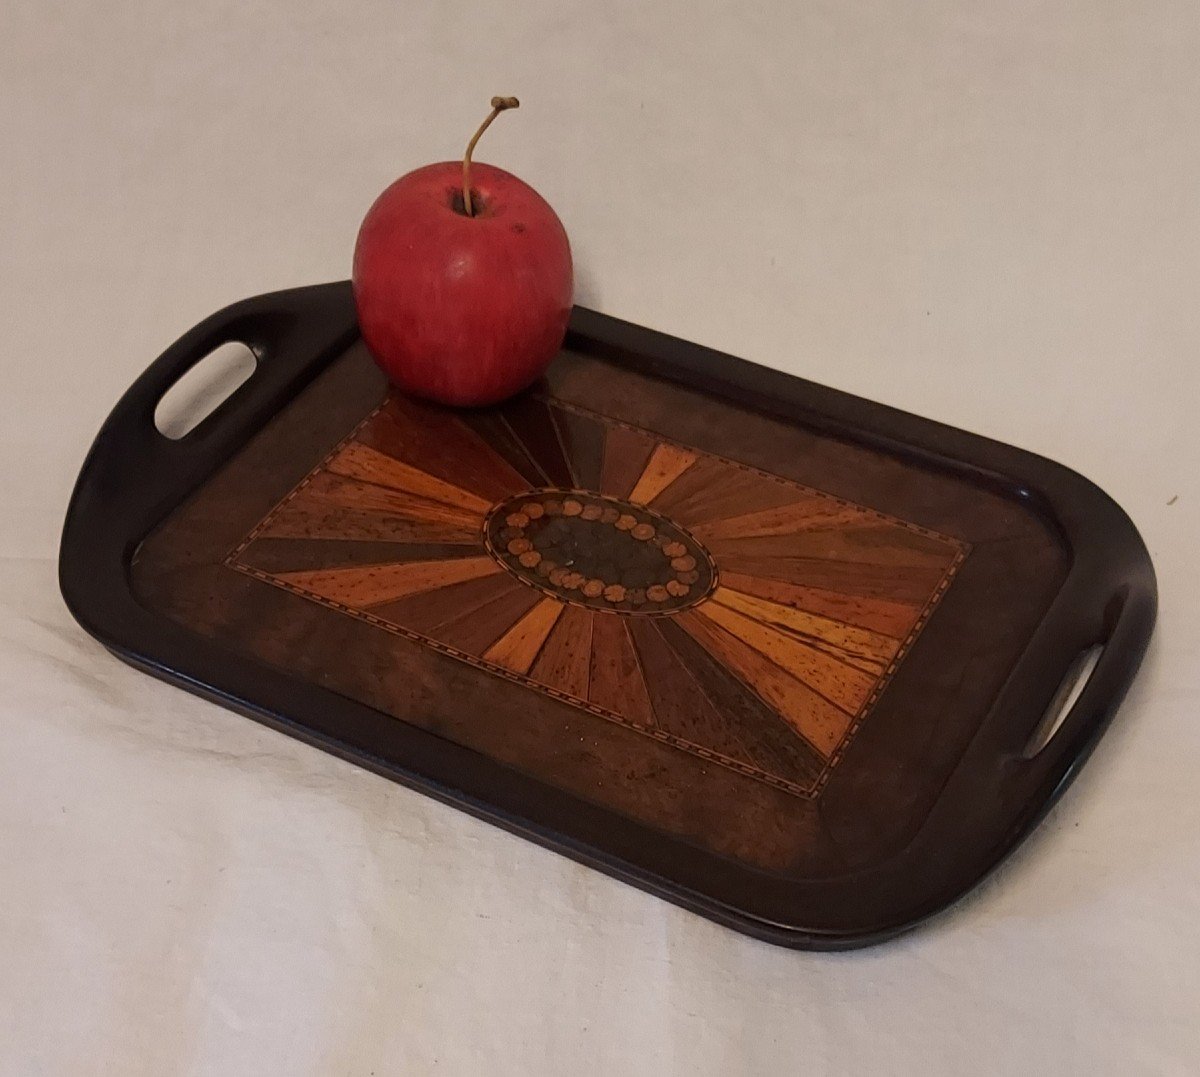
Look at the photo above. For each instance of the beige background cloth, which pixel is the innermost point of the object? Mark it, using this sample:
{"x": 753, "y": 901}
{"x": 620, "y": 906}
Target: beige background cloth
{"x": 986, "y": 213}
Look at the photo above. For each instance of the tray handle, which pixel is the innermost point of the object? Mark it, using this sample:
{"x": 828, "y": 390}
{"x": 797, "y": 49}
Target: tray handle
{"x": 282, "y": 329}
{"x": 1120, "y": 627}
{"x": 134, "y": 476}
{"x": 1126, "y": 624}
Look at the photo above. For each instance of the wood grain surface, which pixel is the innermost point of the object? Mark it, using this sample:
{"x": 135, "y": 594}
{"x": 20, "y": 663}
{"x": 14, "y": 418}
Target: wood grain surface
{"x": 807, "y": 659}
{"x": 363, "y": 541}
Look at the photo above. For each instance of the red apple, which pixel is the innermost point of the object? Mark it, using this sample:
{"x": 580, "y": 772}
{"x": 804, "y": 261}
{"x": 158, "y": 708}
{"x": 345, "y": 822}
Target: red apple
{"x": 462, "y": 309}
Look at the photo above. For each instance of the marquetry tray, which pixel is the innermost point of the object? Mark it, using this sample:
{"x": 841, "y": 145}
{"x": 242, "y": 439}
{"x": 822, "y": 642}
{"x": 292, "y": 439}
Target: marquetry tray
{"x": 768, "y": 650}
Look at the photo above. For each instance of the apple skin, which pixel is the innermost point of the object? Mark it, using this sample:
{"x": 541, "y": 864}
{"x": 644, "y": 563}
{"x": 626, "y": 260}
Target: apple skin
{"x": 462, "y": 310}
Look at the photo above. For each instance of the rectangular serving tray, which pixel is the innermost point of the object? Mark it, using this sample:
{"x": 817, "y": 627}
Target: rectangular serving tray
{"x": 770, "y": 651}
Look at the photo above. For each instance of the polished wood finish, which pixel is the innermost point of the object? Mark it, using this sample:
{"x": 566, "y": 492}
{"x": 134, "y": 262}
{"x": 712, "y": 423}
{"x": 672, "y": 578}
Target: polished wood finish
{"x": 710, "y": 754}
{"x": 373, "y": 585}
{"x": 666, "y": 464}
{"x": 627, "y": 453}
{"x": 520, "y": 645}
{"x": 808, "y": 597}
{"x": 617, "y": 682}
{"x": 760, "y": 640}
{"x": 565, "y": 659}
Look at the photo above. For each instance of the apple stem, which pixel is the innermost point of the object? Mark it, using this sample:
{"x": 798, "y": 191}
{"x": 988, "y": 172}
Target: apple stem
{"x": 499, "y": 104}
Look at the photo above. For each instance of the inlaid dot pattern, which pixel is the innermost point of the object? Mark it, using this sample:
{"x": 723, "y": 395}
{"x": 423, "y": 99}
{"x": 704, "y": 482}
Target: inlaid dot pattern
{"x": 601, "y": 552}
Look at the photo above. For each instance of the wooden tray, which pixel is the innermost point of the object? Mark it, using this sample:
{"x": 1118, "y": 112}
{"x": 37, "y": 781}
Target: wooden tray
{"x": 765, "y": 649}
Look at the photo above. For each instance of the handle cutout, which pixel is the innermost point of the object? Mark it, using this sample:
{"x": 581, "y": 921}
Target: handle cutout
{"x": 203, "y": 389}
{"x": 1073, "y": 683}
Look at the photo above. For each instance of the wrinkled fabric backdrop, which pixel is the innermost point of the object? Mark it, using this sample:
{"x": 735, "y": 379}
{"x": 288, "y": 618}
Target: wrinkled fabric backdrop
{"x": 984, "y": 213}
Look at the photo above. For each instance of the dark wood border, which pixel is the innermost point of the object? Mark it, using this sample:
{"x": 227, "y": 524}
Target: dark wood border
{"x": 991, "y": 799}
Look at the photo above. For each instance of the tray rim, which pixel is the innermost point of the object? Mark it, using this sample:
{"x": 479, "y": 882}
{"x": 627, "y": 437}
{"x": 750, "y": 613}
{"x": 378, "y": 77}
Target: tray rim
{"x": 297, "y": 333}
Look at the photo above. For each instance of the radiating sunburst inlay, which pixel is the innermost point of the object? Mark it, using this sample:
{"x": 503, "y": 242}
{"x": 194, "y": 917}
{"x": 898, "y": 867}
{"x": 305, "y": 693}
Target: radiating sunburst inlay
{"x": 730, "y": 613}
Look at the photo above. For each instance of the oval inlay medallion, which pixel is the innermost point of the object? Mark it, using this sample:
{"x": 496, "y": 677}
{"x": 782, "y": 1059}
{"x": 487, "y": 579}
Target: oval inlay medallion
{"x": 598, "y": 551}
